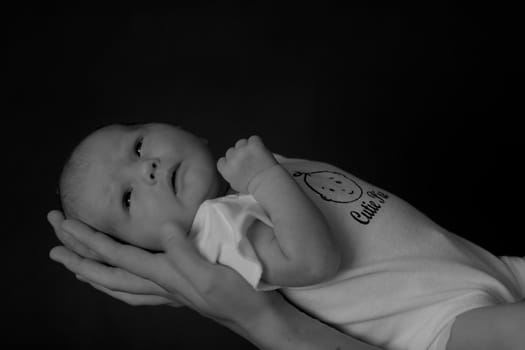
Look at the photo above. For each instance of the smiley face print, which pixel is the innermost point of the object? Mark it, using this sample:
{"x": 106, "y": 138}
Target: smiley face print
{"x": 331, "y": 186}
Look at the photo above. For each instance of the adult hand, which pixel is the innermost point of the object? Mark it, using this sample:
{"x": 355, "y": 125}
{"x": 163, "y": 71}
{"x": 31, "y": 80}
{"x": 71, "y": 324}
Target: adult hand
{"x": 178, "y": 276}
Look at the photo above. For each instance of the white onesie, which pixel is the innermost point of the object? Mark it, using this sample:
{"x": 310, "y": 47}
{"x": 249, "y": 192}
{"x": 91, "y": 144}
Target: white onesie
{"x": 403, "y": 278}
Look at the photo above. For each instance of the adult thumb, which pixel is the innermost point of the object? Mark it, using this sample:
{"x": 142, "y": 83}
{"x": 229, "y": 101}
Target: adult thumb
{"x": 182, "y": 253}
{"x": 171, "y": 235}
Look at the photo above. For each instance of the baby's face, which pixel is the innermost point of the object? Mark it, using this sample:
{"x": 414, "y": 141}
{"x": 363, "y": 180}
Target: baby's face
{"x": 141, "y": 177}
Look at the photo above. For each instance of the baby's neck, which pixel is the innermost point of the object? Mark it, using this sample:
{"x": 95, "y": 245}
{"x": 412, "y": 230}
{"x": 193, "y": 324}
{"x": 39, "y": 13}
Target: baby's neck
{"x": 230, "y": 191}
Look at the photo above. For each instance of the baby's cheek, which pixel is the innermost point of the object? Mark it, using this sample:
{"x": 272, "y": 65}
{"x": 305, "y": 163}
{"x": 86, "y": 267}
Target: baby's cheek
{"x": 141, "y": 230}
{"x": 149, "y": 238}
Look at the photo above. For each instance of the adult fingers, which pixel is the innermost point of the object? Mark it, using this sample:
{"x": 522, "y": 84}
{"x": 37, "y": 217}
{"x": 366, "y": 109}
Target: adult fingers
{"x": 112, "y": 278}
{"x": 153, "y": 267}
{"x": 184, "y": 257}
{"x": 56, "y": 218}
{"x": 133, "y": 299}
{"x": 133, "y": 259}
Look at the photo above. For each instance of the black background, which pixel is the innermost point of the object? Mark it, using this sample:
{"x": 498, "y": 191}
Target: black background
{"x": 423, "y": 102}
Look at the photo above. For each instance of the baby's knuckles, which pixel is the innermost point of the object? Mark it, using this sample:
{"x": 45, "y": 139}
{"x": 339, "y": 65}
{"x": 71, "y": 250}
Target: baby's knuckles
{"x": 253, "y": 156}
{"x": 250, "y": 149}
{"x": 244, "y": 161}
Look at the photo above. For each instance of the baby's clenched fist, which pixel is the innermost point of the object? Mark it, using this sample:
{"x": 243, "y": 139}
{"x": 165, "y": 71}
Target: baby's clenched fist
{"x": 244, "y": 163}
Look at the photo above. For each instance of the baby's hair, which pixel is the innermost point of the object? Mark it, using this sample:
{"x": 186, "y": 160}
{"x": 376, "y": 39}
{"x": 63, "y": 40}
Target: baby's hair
{"x": 72, "y": 182}
{"x": 72, "y": 178}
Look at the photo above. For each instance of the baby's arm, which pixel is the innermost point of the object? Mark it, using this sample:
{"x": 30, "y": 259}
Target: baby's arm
{"x": 492, "y": 327}
{"x": 299, "y": 250}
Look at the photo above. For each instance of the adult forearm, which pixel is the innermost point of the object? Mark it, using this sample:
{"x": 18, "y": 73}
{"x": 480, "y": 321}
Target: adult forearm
{"x": 287, "y": 328}
{"x": 492, "y": 327}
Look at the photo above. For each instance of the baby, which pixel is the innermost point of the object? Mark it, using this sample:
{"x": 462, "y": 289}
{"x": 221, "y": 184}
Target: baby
{"x": 128, "y": 181}
{"x": 349, "y": 253}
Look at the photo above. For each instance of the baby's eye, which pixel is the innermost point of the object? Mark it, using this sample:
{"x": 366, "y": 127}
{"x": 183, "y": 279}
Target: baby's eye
{"x": 126, "y": 199}
{"x": 138, "y": 146}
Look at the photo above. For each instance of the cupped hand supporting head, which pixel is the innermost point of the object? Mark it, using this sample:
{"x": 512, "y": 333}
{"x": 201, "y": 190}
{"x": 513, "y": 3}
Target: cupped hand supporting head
{"x": 178, "y": 276}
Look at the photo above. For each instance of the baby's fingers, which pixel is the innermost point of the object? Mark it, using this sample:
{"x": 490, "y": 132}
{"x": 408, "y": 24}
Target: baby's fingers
{"x": 240, "y": 143}
{"x": 230, "y": 153}
{"x": 256, "y": 140}
{"x": 221, "y": 163}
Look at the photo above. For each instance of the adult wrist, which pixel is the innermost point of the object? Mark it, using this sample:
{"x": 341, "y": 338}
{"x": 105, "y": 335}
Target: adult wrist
{"x": 284, "y": 327}
{"x": 272, "y": 329}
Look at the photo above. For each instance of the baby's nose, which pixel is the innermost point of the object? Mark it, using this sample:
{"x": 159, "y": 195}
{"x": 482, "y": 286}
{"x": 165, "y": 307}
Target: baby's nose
{"x": 150, "y": 169}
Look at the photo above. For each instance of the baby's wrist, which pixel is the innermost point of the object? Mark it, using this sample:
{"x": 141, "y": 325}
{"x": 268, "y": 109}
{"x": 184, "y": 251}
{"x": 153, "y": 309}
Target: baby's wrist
{"x": 262, "y": 177}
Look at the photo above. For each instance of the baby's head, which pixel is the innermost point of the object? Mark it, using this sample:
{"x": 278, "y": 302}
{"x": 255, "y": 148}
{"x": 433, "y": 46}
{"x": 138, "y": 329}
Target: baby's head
{"x": 128, "y": 181}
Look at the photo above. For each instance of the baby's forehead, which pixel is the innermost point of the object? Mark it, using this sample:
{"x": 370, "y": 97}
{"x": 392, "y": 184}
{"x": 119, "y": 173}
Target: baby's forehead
{"x": 106, "y": 138}
{"x": 111, "y": 131}
{"x": 98, "y": 152}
